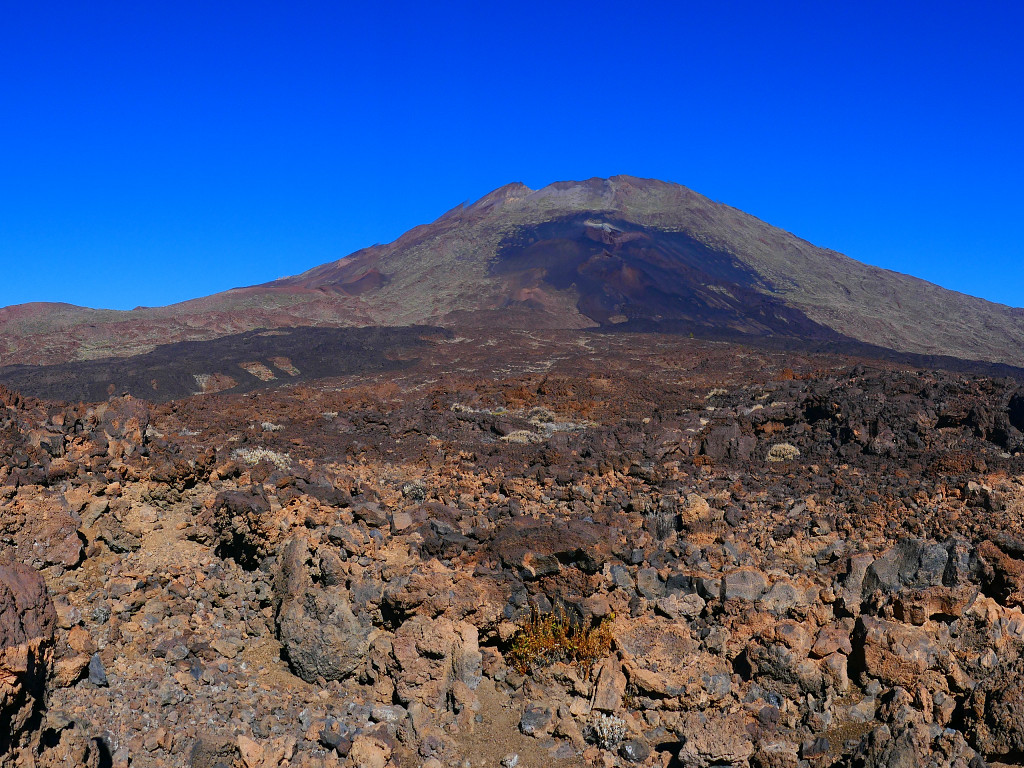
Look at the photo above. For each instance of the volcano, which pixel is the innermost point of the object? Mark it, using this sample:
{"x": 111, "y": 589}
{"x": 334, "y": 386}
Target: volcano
{"x": 619, "y": 255}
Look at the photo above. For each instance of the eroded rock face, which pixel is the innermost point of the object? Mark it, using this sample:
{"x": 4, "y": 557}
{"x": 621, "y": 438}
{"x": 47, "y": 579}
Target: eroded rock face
{"x": 996, "y": 713}
{"x": 432, "y": 659}
{"x": 27, "y": 623}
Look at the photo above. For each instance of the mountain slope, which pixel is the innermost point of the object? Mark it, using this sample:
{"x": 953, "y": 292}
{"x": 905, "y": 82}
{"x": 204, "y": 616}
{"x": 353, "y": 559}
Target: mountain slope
{"x": 620, "y": 252}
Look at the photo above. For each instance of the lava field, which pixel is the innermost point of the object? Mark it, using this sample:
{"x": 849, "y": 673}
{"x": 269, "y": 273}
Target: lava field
{"x": 520, "y": 548}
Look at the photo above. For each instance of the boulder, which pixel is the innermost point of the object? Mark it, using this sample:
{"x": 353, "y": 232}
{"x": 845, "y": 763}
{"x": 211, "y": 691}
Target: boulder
{"x": 895, "y": 653}
{"x": 716, "y": 739}
{"x": 321, "y": 635}
{"x": 744, "y": 584}
{"x": 610, "y": 687}
{"x": 911, "y": 563}
{"x": 429, "y": 657}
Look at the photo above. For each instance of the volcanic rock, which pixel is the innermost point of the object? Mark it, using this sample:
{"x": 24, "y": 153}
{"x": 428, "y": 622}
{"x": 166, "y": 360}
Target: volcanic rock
{"x": 27, "y": 624}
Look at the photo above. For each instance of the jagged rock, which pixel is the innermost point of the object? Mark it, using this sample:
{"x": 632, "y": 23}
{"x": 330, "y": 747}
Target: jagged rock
{"x": 727, "y": 442}
{"x": 27, "y": 623}
{"x": 242, "y": 524}
{"x": 893, "y": 652}
{"x": 785, "y": 665}
{"x": 369, "y": 752}
{"x": 661, "y": 660}
{"x": 695, "y": 509}
{"x": 850, "y": 589}
{"x": 48, "y": 535}
{"x": 916, "y": 745}
{"x": 97, "y": 674}
{"x": 911, "y": 563}
{"x": 649, "y": 584}
{"x": 783, "y": 597}
{"x": 815, "y": 748}
{"x": 680, "y": 607}
{"x": 776, "y": 754}
{"x": 321, "y": 636}
{"x": 833, "y": 638}
{"x": 535, "y": 720}
{"x": 996, "y": 711}
{"x": 251, "y": 751}
{"x": 1003, "y": 574}
{"x": 212, "y": 751}
{"x": 610, "y": 687}
{"x": 67, "y": 744}
{"x": 538, "y": 550}
{"x": 876, "y": 579}
{"x": 120, "y": 540}
{"x": 917, "y": 606}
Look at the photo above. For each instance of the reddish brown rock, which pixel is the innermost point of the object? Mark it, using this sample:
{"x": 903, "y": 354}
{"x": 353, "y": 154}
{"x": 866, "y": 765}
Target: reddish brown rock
{"x": 27, "y": 624}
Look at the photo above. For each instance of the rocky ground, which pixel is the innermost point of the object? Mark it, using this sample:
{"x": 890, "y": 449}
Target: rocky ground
{"x": 528, "y": 549}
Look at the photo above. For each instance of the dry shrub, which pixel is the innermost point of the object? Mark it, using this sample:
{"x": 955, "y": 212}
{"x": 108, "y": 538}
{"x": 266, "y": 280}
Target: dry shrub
{"x": 523, "y": 437}
{"x": 783, "y": 452}
{"x": 552, "y": 638}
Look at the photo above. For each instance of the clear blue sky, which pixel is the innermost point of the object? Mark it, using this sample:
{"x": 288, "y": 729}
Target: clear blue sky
{"x": 153, "y": 152}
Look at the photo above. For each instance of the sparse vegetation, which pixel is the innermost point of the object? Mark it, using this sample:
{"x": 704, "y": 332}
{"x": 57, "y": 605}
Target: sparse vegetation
{"x": 782, "y": 452}
{"x": 255, "y": 455}
{"x": 607, "y": 731}
{"x": 523, "y": 437}
{"x": 550, "y": 638}
{"x": 541, "y": 415}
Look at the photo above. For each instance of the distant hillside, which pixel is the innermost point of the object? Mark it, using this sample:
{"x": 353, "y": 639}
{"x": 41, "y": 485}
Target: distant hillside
{"x": 618, "y": 253}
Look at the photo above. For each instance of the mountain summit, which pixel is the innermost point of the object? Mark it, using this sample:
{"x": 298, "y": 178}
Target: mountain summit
{"x": 621, "y": 253}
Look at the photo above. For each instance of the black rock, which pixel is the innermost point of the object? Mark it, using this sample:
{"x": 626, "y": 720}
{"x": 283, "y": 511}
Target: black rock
{"x": 635, "y": 750}
{"x": 534, "y": 720}
{"x": 334, "y": 735}
{"x": 818, "y": 747}
{"x": 97, "y": 674}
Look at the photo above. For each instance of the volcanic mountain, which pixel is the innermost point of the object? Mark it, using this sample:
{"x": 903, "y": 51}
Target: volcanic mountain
{"x": 622, "y": 254}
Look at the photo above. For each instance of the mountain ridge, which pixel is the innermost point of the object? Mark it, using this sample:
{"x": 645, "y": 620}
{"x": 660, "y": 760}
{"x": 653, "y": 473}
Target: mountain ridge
{"x": 659, "y": 240}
